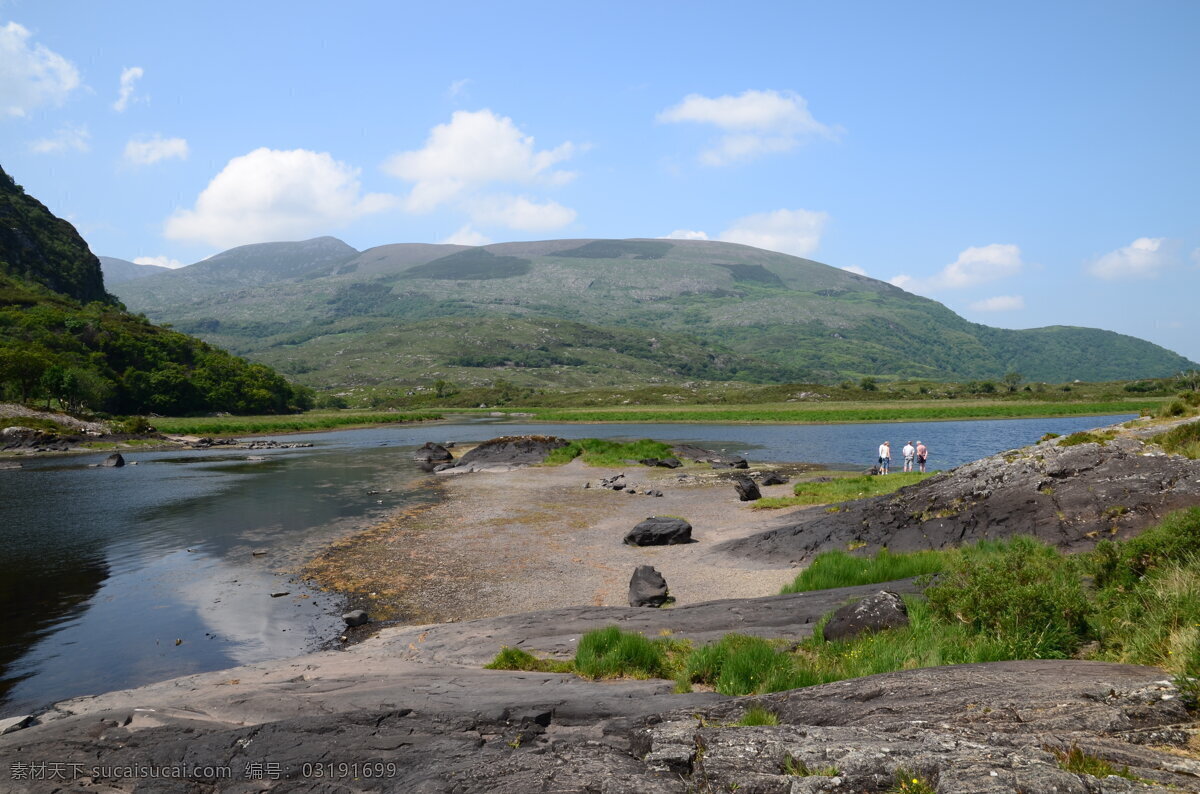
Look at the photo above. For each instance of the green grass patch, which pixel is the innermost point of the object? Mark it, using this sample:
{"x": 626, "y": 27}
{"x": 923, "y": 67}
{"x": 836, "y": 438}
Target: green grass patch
{"x": 838, "y": 569}
{"x": 227, "y": 425}
{"x": 1088, "y": 437}
{"x": 757, "y": 715}
{"x": 599, "y": 452}
{"x": 612, "y": 653}
{"x": 843, "y": 490}
{"x": 910, "y": 783}
{"x": 510, "y": 658}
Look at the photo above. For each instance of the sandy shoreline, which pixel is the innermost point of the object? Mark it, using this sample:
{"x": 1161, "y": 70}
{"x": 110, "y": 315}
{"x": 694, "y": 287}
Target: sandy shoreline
{"x": 502, "y": 543}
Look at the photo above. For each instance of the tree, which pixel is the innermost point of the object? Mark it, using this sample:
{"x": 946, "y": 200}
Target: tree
{"x": 23, "y": 369}
{"x": 1190, "y": 379}
{"x": 868, "y": 384}
{"x": 1012, "y": 380}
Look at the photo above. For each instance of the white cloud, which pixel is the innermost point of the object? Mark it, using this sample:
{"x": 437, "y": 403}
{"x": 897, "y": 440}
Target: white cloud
{"x": 475, "y": 149}
{"x": 275, "y": 195}
{"x": 685, "y": 234}
{"x": 975, "y": 265}
{"x": 158, "y": 261}
{"x": 1146, "y": 256}
{"x": 458, "y": 87}
{"x": 466, "y": 236}
{"x": 855, "y": 269}
{"x": 31, "y": 75}
{"x": 795, "y": 232}
{"x": 755, "y": 123}
{"x": 518, "y": 212}
{"x": 1000, "y": 303}
{"x": 147, "y": 151}
{"x": 68, "y": 138}
{"x": 129, "y": 78}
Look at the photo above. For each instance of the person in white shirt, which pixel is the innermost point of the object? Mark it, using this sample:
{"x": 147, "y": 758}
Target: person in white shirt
{"x": 909, "y": 452}
{"x": 885, "y": 456}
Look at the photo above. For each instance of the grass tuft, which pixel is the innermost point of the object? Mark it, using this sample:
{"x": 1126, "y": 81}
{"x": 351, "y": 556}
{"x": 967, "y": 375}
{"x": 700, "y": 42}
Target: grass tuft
{"x": 757, "y": 715}
{"x": 510, "y": 658}
{"x": 1075, "y": 759}
{"x": 794, "y": 766}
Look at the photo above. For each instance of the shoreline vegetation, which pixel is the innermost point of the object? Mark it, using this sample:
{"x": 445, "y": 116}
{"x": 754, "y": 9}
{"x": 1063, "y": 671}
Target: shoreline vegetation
{"x": 829, "y": 413}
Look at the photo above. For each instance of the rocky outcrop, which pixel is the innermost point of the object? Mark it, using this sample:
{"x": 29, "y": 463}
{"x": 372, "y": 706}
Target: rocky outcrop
{"x": 648, "y": 588}
{"x": 717, "y": 459}
{"x": 414, "y": 706}
{"x": 1070, "y": 496}
{"x": 430, "y": 452}
{"x": 876, "y": 612}
{"x": 507, "y": 453}
{"x": 660, "y": 531}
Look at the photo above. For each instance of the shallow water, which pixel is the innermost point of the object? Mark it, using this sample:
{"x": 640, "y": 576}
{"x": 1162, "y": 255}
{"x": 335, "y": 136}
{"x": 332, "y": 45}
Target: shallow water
{"x": 112, "y": 578}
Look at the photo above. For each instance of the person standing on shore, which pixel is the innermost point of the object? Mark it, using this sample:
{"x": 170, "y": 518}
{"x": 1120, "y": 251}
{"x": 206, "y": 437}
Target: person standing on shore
{"x": 885, "y": 456}
{"x": 908, "y": 452}
{"x": 922, "y": 453}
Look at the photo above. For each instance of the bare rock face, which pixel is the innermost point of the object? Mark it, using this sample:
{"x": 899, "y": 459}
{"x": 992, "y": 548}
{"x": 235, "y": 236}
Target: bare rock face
{"x": 507, "y": 452}
{"x": 1068, "y": 496}
{"x": 648, "y": 588}
{"x": 747, "y": 489}
{"x": 660, "y": 531}
{"x": 882, "y": 610}
{"x": 115, "y": 460}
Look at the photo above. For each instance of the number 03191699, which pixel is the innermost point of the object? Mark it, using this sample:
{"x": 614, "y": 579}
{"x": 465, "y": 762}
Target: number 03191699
{"x": 332, "y": 769}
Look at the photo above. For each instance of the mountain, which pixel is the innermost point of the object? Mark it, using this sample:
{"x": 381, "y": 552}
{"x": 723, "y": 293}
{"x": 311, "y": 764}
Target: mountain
{"x": 63, "y": 337}
{"x": 599, "y": 312}
{"x": 118, "y": 270}
{"x": 36, "y": 246}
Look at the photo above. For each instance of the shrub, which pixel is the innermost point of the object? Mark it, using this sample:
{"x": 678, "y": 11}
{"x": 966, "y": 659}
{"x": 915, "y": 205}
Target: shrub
{"x": 1174, "y": 539}
{"x": 1156, "y": 621}
{"x": 1022, "y": 593}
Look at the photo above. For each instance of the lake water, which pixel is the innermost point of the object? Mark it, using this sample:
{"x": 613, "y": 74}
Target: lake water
{"x": 112, "y": 578}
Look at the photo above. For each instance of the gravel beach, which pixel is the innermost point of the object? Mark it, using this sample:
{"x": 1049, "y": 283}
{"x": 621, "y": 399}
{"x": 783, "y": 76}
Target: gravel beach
{"x": 501, "y": 543}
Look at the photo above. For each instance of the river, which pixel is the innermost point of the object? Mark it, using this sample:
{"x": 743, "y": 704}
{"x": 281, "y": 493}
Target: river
{"x": 116, "y": 577}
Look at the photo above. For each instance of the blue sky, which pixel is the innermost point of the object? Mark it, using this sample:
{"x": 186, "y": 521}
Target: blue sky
{"x": 1025, "y": 163}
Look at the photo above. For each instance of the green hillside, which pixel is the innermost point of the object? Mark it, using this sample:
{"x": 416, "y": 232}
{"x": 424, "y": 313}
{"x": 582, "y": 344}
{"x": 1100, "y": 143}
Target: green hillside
{"x": 62, "y": 337}
{"x": 577, "y": 313}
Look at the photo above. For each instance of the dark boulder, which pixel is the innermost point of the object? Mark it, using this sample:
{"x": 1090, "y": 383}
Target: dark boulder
{"x": 430, "y": 452}
{"x": 774, "y": 478}
{"x": 669, "y": 463}
{"x": 114, "y": 460}
{"x": 648, "y": 588}
{"x": 660, "y": 531}
{"x": 729, "y": 462}
{"x": 649, "y": 461}
{"x": 883, "y": 610}
{"x": 508, "y": 452}
{"x": 356, "y": 617}
{"x": 747, "y": 489}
